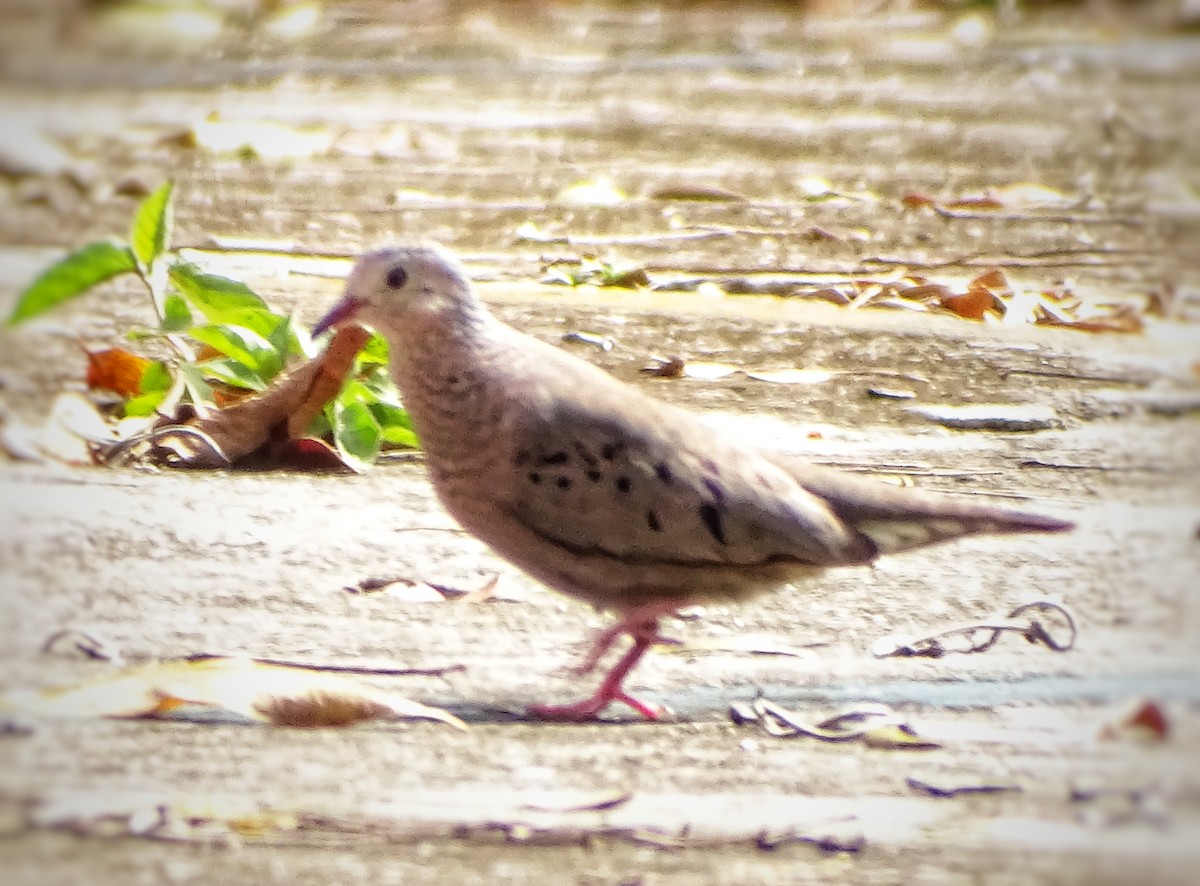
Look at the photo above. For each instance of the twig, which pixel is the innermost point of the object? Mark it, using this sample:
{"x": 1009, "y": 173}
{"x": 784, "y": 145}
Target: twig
{"x": 982, "y": 636}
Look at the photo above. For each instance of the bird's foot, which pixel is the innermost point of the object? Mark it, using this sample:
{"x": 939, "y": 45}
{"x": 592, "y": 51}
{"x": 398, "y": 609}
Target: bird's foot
{"x": 644, "y": 632}
{"x": 588, "y": 710}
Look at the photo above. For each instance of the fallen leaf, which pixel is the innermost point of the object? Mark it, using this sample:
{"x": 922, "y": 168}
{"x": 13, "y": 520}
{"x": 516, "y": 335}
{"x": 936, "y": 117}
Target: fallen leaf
{"x": 116, "y": 370}
{"x": 980, "y": 201}
{"x": 264, "y": 423}
{"x": 923, "y": 290}
{"x": 991, "y": 279}
{"x": 1122, "y": 318}
{"x": 915, "y": 200}
{"x": 603, "y": 342}
{"x": 687, "y": 191}
{"x": 897, "y": 736}
{"x": 223, "y": 690}
{"x": 946, "y": 791}
{"x": 405, "y": 590}
{"x": 68, "y": 435}
{"x": 815, "y": 233}
{"x": 1145, "y": 721}
{"x": 665, "y": 367}
{"x": 990, "y": 416}
{"x": 972, "y": 304}
{"x": 892, "y": 393}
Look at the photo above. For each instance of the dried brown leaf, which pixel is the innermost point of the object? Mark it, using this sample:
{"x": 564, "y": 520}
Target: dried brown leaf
{"x": 220, "y": 689}
{"x": 915, "y": 200}
{"x": 698, "y": 192}
{"x": 1144, "y": 721}
{"x": 268, "y": 421}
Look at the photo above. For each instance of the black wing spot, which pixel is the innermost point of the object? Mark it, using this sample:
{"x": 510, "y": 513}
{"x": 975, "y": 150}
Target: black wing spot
{"x": 554, "y": 458}
{"x": 585, "y": 454}
{"x": 535, "y": 478}
{"x": 594, "y": 475}
{"x": 609, "y": 450}
{"x": 522, "y": 457}
{"x": 663, "y": 471}
{"x": 652, "y": 521}
{"x": 712, "y": 521}
{"x": 563, "y": 482}
{"x": 624, "y": 484}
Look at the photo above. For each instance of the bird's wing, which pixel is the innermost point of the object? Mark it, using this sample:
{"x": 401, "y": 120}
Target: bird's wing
{"x": 608, "y": 471}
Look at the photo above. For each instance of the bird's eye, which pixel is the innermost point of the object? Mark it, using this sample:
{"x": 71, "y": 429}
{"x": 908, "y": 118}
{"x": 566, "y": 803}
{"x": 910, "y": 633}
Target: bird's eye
{"x": 397, "y": 277}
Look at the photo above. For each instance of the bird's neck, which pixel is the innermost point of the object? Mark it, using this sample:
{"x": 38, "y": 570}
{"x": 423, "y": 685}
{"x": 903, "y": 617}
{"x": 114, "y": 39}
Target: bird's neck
{"x": 446, "y": 376}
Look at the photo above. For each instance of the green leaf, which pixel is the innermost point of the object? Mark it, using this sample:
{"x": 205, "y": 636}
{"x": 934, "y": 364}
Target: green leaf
{"x": 155, "y": 384}
{"x": 231, "y": 372}
{"x": 143, "y": 404}
{"x": 198, "y": 389}
{"x": 356, "y": 434}
{"x": 289, "y": 339}
{"x": 151, "y": 229}
{"x": 156, "y": 377}
{"x": 375, "y": 351}
{"x": 176, "y": 314}
{"x": 404, "y": 438}
{"x": 70, "y": 276}
{"x": 244, "y": 345}
{"x": 222, "y": 300}
{"x": 395, "y": 425}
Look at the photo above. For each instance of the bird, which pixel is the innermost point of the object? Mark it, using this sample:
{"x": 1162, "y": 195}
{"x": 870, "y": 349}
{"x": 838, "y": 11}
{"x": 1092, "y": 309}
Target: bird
{"x": 609, "y": 495}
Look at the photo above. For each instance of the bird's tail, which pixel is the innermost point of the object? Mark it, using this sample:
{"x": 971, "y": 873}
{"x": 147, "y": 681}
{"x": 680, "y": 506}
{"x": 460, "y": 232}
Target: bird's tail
{"x": 898, "y": 518}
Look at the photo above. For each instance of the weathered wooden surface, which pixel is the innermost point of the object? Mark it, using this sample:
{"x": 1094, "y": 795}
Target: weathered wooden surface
{"x": 488, "y": 115}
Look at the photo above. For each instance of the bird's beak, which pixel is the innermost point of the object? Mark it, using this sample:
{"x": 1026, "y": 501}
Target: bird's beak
{"x": 339, "y": 313}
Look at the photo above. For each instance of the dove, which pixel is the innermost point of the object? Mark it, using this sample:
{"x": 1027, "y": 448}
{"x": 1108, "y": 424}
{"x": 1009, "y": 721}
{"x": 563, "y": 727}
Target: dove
{"x": 606, "y": 494}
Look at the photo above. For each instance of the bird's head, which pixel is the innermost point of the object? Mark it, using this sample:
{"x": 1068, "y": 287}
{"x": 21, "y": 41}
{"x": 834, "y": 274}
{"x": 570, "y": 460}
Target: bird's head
{"x": 403, "y": 287}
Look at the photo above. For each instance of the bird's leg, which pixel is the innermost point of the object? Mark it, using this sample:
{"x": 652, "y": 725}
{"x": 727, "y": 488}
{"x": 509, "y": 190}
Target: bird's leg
{"x": 610, "y": 688}
{"x": 641, "y": 625}
{"x": 632, "y": 623}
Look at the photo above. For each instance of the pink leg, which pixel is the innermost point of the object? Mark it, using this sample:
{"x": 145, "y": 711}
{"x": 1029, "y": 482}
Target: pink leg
{"x": 642, "y": 626}
{"x": 631, "y": 623}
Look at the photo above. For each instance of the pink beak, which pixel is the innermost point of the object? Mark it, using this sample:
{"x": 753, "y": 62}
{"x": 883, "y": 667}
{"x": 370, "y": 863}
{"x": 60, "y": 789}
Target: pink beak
{"x": 339, "y": 313}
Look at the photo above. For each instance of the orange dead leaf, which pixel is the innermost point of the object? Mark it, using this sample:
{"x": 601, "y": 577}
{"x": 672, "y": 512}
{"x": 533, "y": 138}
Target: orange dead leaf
{"x": 972, "y": 304}
{"x": 117, "y": 370}
{"x": 915, "y": 200}
{"x": 992, "y": 279}
{"x": 665, "y": 367}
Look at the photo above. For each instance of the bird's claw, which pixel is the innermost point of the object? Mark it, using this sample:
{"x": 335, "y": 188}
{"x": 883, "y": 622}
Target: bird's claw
{"x": 588, "y": 711}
